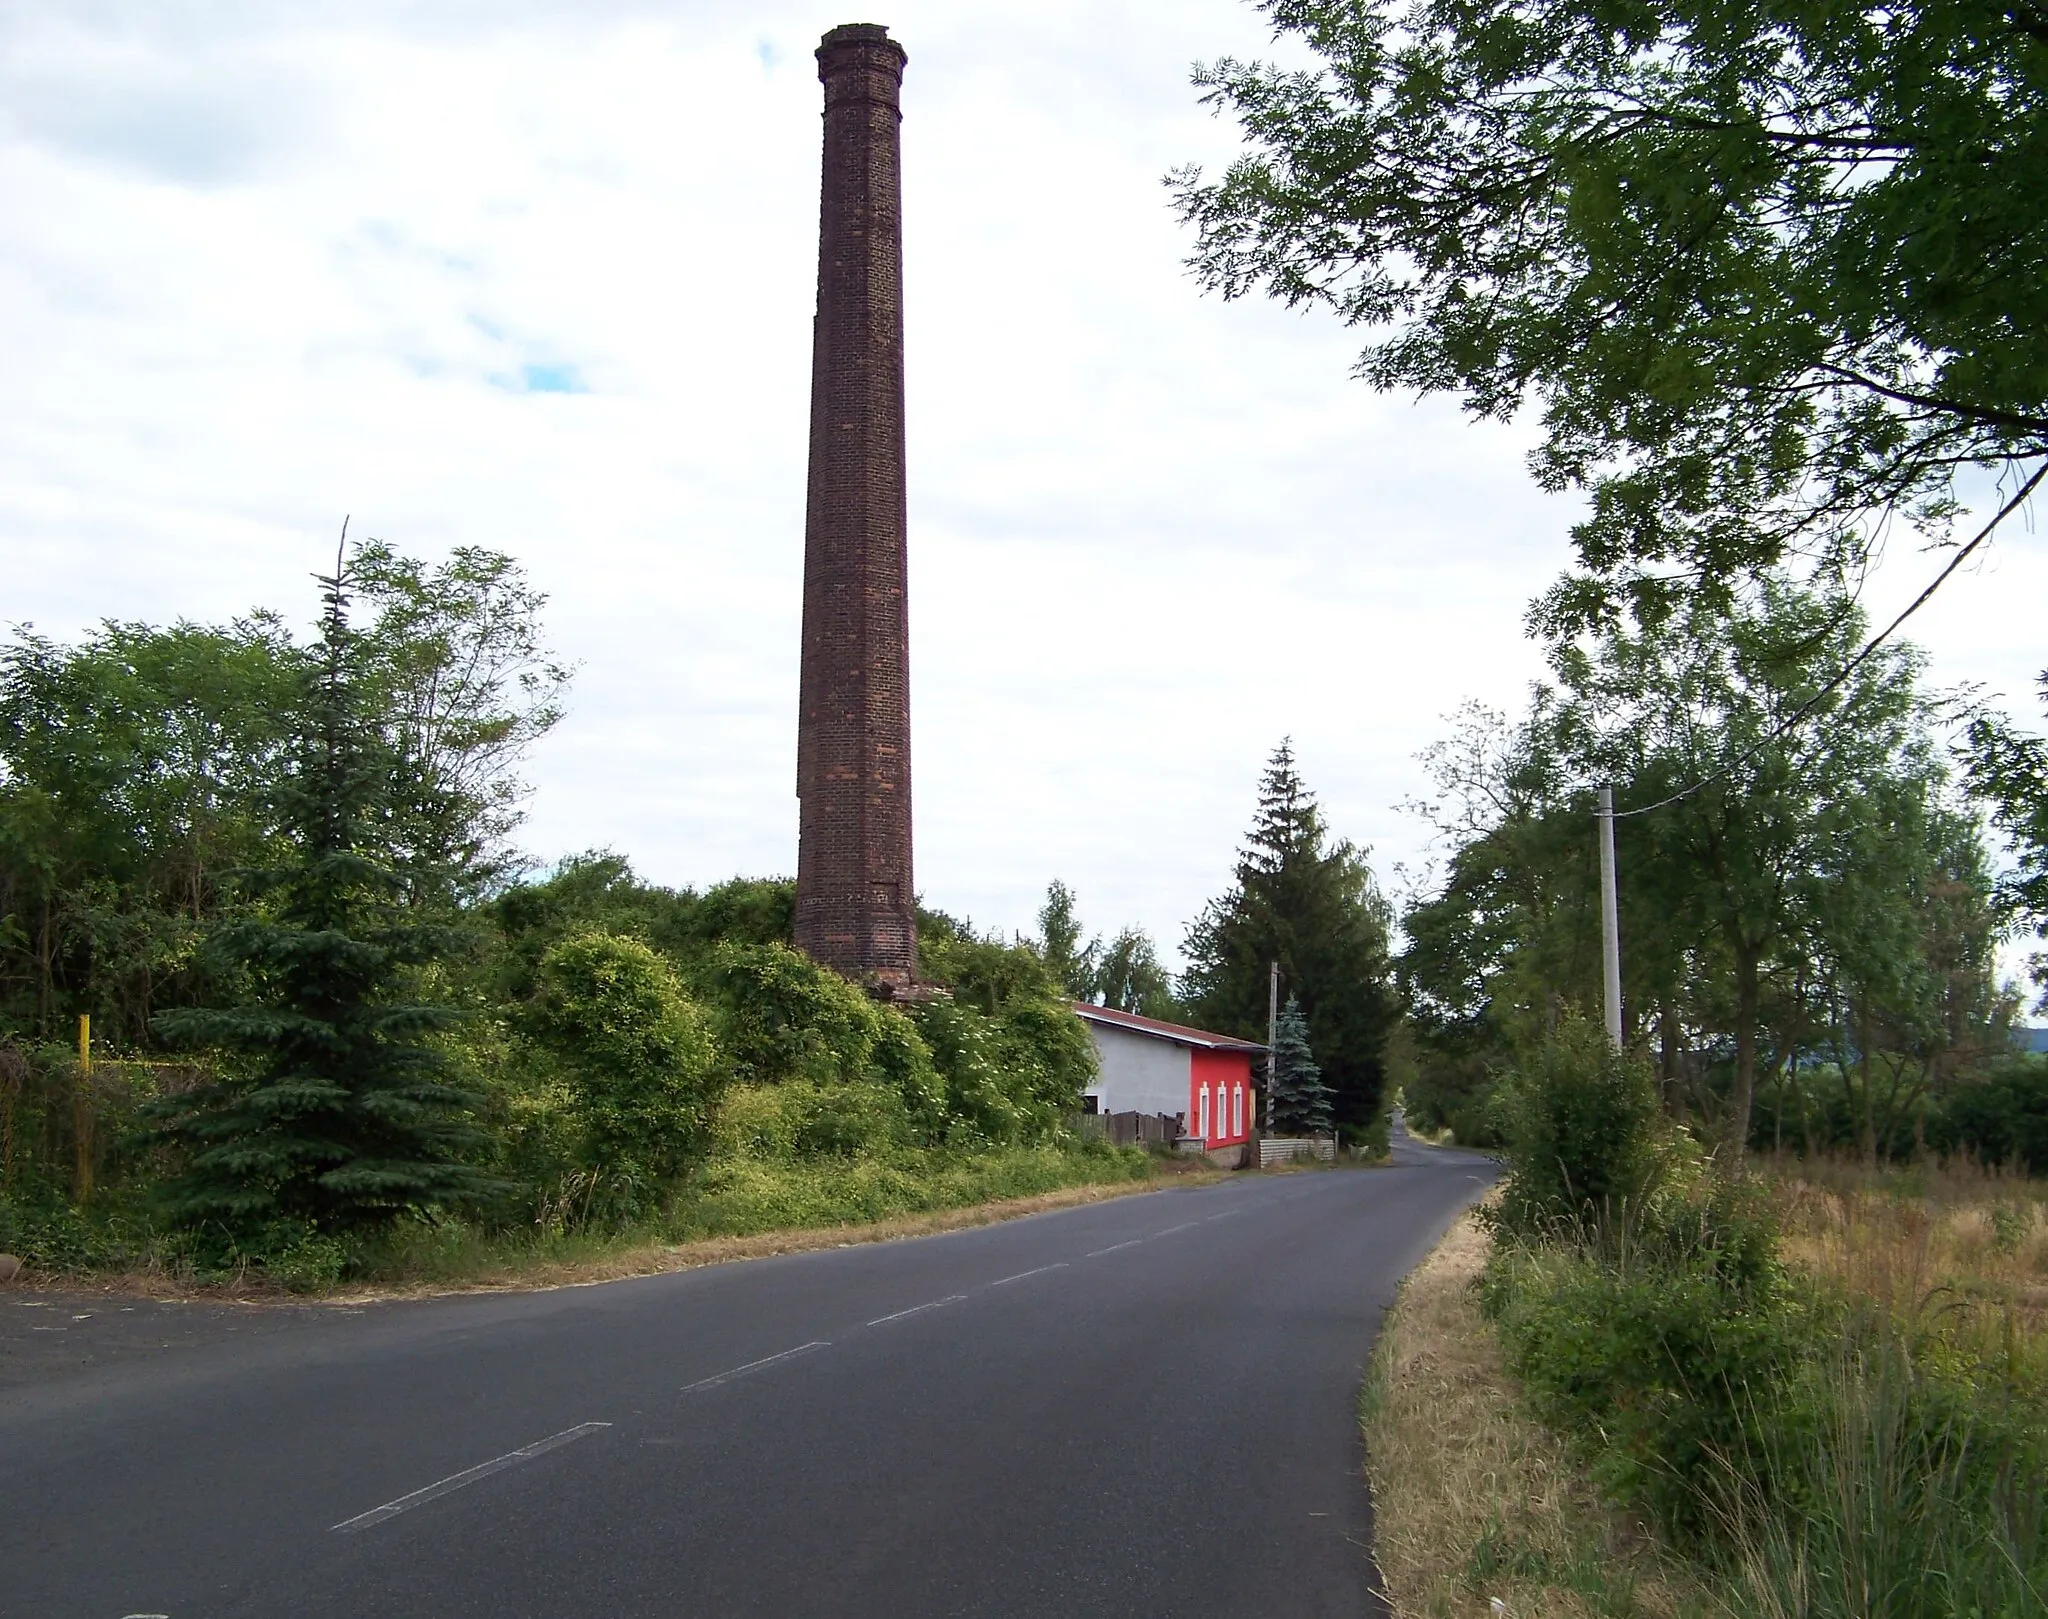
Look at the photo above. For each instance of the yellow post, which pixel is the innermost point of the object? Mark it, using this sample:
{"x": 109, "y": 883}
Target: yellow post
{"x": 81, "y": 1114}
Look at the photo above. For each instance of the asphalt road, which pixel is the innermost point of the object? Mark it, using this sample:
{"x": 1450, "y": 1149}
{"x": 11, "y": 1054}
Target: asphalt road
{"x": 1141, "y": 1407}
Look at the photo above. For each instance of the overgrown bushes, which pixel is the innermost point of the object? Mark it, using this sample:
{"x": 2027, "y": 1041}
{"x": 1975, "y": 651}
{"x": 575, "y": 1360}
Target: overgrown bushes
{"x": 293, "y": 862}
{"x": 1824, "y": 1456}
{"x": 1579, "y": 1121}
{"x": 634, "y": 1047}
{"x": 626, "y": 1069}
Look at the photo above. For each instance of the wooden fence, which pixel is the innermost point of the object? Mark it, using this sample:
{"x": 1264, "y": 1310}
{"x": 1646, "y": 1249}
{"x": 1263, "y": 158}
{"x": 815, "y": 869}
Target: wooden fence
{"x": 1132, "y": 1129}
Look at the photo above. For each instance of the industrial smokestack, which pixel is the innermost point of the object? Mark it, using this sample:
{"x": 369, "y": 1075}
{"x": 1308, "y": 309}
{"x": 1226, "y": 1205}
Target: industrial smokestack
{"x": 854, "y": 882}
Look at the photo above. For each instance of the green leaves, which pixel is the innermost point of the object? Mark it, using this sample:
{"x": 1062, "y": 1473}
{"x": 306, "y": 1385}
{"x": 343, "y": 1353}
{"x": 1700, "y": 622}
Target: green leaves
{"x": 1771, "y": 276}
{"x": 1778, "y": 874}
{"x": 637, "y": 1050}
{"x": 336, "y": 1110}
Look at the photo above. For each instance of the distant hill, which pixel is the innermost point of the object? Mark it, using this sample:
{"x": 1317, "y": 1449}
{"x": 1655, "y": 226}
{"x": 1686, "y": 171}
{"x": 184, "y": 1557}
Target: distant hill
{"x": 2030, "y": 1039}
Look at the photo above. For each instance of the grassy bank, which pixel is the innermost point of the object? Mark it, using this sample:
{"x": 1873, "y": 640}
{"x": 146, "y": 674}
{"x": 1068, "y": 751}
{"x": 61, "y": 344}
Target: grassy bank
{"x": 729, "y": 1211}
{"x": 747, "y": 1200}
{"x": 1474, "y": 1501}
{"x": 1823, "y": 1394}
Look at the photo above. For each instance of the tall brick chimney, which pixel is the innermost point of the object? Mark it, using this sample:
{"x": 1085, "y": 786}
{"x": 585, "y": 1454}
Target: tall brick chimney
{"x": 853, "y": 879}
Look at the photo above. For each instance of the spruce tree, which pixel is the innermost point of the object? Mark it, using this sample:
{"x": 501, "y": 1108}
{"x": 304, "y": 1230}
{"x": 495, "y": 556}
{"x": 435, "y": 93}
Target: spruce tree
{"x": 1308, "y": 901}
{"x": 1301, "y": 1102}
{"x": 335, "y": 1109}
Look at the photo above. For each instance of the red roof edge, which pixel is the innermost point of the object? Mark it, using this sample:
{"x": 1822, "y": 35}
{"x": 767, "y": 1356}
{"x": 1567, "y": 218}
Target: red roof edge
{"x": 1178, "y": 1032}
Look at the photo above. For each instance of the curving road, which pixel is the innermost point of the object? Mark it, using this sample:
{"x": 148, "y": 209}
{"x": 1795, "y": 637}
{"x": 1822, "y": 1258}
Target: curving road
{"x": 1141, "y": 1407}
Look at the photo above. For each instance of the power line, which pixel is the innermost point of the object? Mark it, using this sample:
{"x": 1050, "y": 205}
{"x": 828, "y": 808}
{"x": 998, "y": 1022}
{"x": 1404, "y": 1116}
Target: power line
{"x": 1870, "y": 647}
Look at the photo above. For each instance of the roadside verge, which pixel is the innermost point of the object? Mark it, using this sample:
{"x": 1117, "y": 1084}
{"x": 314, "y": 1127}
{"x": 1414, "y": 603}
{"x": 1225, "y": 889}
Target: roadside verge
{"x": 1474, "y": 1504}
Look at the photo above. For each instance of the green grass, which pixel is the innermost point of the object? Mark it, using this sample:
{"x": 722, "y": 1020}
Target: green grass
{"x": 746, "y": 1198}
{"x": 1828, "y": 1442}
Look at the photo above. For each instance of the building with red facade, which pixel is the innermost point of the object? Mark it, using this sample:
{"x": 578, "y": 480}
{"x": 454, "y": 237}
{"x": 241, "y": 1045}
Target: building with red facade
{"x": 1153, "y": 1067}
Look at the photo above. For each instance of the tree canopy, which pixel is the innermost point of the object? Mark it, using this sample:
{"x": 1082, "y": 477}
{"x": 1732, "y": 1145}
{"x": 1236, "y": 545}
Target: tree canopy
{"x": 140, "y": 764}
{"x": 1775, "y": 275}
{"x": 1819, "y": 894}
{"x": 1123, "y": 972}
{"x": 2009, "y": 771}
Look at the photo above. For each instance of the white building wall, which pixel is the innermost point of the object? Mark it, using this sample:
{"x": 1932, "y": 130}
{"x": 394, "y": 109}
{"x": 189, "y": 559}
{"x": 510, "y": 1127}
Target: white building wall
{"x": 1140, "y": 1073}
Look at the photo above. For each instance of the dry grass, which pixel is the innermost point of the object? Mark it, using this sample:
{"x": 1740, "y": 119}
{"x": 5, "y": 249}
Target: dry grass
{"x": 1964, "y": 1244}
{"x": 1956, "y": 1254}
{"x": 1474, "y": 1503}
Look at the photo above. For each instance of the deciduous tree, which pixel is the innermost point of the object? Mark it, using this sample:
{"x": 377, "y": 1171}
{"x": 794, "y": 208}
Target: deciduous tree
{"x": 1774, "y": 275}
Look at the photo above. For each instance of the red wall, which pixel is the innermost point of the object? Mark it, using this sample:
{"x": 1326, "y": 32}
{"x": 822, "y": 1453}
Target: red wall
{"x": 1231, "y": 1071}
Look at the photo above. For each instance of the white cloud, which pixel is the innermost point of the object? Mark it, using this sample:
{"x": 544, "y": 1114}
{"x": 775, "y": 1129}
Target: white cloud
{"x": 268, "y": 267}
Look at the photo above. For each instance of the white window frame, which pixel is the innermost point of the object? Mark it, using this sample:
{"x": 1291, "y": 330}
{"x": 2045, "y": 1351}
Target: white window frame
{"x": 1202, "y": 1110}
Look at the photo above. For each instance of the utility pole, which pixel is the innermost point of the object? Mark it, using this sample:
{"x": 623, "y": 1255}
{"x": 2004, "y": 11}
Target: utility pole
{"x": 81, "y": 1114}
{"x": 1272, "y": 1036}
{"x": 1610, "y": 919}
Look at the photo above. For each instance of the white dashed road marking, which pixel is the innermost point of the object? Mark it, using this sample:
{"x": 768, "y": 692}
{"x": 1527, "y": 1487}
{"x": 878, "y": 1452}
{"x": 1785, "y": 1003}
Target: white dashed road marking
{"x": 752, "y": 1366}
{"x": 455, "y": 1481}
{"x": 1042, "y": 1269}
{"x": 917, "y": 1309}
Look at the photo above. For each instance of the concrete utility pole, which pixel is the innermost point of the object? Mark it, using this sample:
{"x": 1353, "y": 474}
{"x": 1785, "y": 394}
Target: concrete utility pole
{"x": 1272, "y": 1035}
{"x": 1610, "y": 919}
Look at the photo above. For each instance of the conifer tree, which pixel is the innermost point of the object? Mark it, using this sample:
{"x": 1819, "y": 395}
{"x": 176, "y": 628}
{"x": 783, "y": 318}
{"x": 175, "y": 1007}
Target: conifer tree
{"x": 1301, "y": 1102}
{"x": 336, "y": 1111}
{"x": 1307, "y": 901}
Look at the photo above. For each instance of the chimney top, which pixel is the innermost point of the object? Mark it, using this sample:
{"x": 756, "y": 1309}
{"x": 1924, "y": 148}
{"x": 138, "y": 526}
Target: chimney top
{"x": 858, "y": 33}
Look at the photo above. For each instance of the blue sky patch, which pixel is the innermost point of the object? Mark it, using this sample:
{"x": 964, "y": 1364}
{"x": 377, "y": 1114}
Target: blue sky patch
{"x": 553, "y": 379}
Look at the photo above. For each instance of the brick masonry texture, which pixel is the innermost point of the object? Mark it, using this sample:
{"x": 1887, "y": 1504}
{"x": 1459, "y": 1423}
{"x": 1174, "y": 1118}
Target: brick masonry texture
{"x": 854, "y": 891}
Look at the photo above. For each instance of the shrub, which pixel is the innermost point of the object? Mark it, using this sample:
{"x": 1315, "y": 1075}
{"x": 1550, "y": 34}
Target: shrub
{"x": 902, "y": 1060}
{"x": 634, "y": 1048}
{"x": 1051, "y": 1053}
{"x": 1657, "y": 1370}
{"x": 980, "y": 1107}
{"x": 983, "y": 973}
{"x": 1585, "y": 1140}
{"x": 781, "y": 1016}
{"x": 1999, "y": 1119}
{"x": 1719, "y": 1224}
{"x": 797, "y": 1119}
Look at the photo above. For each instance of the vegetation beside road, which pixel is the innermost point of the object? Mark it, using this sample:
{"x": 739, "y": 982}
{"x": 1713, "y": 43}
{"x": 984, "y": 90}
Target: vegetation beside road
{"x": 339, "y": 1034}
{"x": 1473, "y": 1499}
{"x": 1821, "y": 1390}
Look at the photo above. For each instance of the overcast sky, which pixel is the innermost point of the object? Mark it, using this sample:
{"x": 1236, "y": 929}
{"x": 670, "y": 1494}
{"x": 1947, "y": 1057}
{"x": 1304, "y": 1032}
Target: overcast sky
{"x": 539, "y": 276}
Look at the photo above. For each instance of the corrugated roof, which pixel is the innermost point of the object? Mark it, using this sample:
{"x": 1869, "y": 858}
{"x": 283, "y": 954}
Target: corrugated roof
{"x": 1178, "y": 1032}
